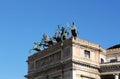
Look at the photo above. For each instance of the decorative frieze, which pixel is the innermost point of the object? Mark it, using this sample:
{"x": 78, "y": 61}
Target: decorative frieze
{"x": 49, "y": 60}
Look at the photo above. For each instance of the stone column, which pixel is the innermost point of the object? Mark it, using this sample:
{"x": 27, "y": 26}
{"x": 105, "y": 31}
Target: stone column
{"x": 116, "y": 76}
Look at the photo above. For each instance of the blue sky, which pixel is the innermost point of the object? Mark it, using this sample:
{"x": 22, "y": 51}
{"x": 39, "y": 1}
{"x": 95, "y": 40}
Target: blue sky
{"x": 24, "y": 21}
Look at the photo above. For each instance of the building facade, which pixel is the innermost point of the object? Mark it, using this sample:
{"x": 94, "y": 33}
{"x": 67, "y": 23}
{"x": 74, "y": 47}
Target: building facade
{"x": 75, "y": 59}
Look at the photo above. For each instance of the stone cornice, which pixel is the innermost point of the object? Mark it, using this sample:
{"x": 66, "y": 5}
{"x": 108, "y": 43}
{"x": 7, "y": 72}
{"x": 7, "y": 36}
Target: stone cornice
{"x": 88, "y": 44}
{"x": 86, "y": 64}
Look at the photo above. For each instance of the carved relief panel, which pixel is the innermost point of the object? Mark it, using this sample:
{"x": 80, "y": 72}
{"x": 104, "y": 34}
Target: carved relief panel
{"x": 48, "y": 60}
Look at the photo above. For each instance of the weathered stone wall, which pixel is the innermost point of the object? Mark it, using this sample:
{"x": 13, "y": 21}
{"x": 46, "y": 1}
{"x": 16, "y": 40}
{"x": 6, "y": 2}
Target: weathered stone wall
{"x": 85, "y": 72}
{"x": 78, "y": 48}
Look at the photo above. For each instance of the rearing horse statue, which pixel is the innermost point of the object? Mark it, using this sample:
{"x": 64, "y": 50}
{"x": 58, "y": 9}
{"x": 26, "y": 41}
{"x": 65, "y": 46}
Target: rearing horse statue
{"x": 36, "y": 47}
{"x": 46, "y": 41}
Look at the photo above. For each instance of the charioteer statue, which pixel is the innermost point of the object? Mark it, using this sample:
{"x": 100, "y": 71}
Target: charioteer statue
{"x": 60, "y": 35}
{"x": 64, "y": 33}
{"x": 74, "y": 30}
{"x": 57, "y": 36}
